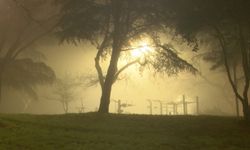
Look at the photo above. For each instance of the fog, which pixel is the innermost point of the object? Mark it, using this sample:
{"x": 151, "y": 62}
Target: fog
{"x": 212, "y": 88}
{"x": 136, "y": 88}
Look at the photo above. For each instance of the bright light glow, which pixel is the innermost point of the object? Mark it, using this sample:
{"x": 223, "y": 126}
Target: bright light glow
{"x": 141, "y": 49}
{"x": 138, "y": 51}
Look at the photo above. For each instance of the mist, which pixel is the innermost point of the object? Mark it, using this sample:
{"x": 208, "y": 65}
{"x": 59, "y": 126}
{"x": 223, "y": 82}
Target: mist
{"x": 124, "y": 74}
{"x": 135, "y": 87}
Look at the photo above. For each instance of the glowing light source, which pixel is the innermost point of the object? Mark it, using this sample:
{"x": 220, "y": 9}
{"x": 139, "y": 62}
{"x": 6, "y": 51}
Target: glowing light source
{"x": 141, "y": 49}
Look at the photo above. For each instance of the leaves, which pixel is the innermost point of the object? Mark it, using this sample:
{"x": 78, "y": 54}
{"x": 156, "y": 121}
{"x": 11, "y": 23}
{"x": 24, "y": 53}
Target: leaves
{"x": 167, "y": 61}
{"x": 25, "y": 74}
{"x": 82, "y": 20}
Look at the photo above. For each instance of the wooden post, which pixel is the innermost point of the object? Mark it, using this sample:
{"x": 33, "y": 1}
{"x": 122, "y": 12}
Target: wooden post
{"x": 166, "y": 109}
{"x": 150, "y": 107}
{"x": 174, "y": 108}
{"x": 184, "y": 105}
{"x": 119, "y": 109}
{"x": 160, "y": 107}
{"x": 197, "y": 105}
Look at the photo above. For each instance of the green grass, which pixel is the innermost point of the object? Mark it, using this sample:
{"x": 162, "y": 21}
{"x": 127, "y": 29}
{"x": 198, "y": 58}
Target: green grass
{"x": 122, "y": 132}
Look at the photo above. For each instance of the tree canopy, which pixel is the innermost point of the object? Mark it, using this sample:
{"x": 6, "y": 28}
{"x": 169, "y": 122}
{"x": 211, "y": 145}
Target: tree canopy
{"x": 111, "y": 25}
{"x": 20, "y": 28}
{"x": 226, "y": 22}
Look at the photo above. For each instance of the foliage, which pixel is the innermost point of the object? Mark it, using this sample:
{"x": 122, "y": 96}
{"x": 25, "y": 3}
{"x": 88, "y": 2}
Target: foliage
{"x": 227, "y": 21}
{"x": 167, "y": 61}
{"x": 87, "y": 20}
{"x": 111, "y": 26}
{"x": 20, "y": 28}
{"x": 64, "y": 91}
{"x": 25, "y": 75}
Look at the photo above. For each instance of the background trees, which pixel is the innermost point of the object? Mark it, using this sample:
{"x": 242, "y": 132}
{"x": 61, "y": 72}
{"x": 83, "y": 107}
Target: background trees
{"x": 227, "y": 22}
{"x": 20, "y": 28}
{"x": 65, "y": 91}
{"x": 111, "y": 26}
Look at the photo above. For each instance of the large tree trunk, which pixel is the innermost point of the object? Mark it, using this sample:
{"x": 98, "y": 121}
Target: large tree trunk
{"x": 105, "y": 98}
{"x": 116, "y": 50}
{"x": 109, "y": 80}
{"x": 246, "y": 110}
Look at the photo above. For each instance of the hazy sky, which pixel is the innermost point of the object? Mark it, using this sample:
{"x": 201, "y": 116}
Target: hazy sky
{"x": 135, "y": 89}
{"x": 138, "y": 87}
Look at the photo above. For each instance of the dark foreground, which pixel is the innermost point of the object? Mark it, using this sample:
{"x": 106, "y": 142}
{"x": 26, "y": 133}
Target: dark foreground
{"x": 122, "y": 132}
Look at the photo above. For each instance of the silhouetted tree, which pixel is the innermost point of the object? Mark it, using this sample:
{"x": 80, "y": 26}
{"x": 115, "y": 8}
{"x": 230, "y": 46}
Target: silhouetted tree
{"x": 111, "y": 25}
{"x": 20, "y": 29}
{"x": 227, "y": 22}
{"x": 64, "y": 91}
{"x": 217, "y": 58}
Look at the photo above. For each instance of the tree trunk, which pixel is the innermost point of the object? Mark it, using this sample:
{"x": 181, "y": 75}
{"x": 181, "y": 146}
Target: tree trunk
{"x": 105, "y": 98}
{"x": 244, "y": 64}
{"x": 245, "y": 67}
{"x": 116, "y": 50}
{"x": 236, "y": 86}
{"x": 109, "y": 80}
{"x": 1, "y": 81}
{"x": 1, "y": 87}
{"x": 246, "y": 110}
{"x": 65, "y": 106}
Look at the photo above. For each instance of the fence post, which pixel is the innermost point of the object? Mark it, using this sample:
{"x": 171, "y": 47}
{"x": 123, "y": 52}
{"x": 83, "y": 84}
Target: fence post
{"x": 160, "y": 107}
{"x": 175, "y": 108}
{"x": 150, "y": 107}
{"x": 197, "y": 105}
{"x": 184, "y": 104}
{"x": 166, "y": 109}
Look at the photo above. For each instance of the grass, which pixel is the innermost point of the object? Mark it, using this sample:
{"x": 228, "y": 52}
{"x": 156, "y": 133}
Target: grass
{"x": 122, "y": 132}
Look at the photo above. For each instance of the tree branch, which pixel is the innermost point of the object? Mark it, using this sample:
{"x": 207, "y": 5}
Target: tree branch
{"x": 30, "y": 17}
{"x": 222, "y": 44}
{"x": 2, "y": 41}
{"x": 245, "y": 64}
{"x": 27, "y": 12}
{"x": 18, "y": 51}
{"x": 124, "y": 67}
{"x": 101, "y": 48}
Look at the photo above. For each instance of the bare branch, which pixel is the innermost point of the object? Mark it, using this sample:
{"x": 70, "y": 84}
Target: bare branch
{"x": 18, "y": 51}
{"x": 222, "y": 44}
{"x": 125, "y": 67}
{"x": 27, "y": 12}
{"x": 245, "y": 60}
{"x": 101, "y": 48}
{"x": 133, "y": 48}
{"x": 15, "y": 44}
{"x": 30, "y": 17}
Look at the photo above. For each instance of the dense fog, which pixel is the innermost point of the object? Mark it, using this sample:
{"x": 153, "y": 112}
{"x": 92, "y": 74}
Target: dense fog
{"x": 135, "y": 87}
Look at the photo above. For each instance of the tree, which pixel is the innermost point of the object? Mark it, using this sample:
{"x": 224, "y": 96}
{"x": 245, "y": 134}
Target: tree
{"x": 217, "y": 59}
{"x": 65, "y": 91}
{"x": 111, "y": 25}
{"x": 19, "y": 30}
{"x": 227, "y": 22}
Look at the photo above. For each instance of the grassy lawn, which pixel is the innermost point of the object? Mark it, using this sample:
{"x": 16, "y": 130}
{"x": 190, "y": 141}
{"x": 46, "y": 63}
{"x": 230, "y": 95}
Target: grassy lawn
{"x": 122, "y": 132}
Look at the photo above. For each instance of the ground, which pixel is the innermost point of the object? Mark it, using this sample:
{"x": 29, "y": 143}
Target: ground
{"x": 93, "y": 131}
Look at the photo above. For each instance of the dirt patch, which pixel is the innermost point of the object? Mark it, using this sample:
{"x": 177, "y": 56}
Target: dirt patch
{"x": 3, "y": 125}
